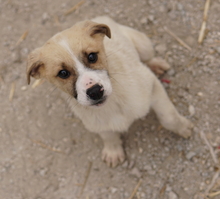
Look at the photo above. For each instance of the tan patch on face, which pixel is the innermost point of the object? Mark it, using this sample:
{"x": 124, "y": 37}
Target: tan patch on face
{"x": 56, "y": 58}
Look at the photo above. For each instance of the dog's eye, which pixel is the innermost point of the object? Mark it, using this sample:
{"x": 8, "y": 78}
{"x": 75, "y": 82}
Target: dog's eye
{"x": 64, "y": 74}
{"x": 92, "y": 57}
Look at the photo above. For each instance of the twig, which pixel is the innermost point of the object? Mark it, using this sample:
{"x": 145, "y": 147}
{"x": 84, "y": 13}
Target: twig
{"x": 177, "y": 38}
{"x": 22, "y": 38}
{"x": 74, "y": 8}
{"x": 215, "y": 177}
{"x": 56, "y": 20}
{"x": 192, "y": 61}
{"x": 203, "y": 27}
{"x": 37, "y": 83}
{"x": 1, "y": 79}
{"x": 210, "y": 147}
{"x": 135, "y": 189}
{"x": 47, "y": 147}
{"x": 12, "y": 91}
{"x": 86, "y": 178}
{"x": 163, "y": 190}
{"x": 213, "y": 194}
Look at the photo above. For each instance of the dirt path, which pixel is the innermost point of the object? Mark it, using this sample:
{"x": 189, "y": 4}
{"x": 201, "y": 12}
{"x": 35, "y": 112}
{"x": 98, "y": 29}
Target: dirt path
{"x": 46, "y": 153}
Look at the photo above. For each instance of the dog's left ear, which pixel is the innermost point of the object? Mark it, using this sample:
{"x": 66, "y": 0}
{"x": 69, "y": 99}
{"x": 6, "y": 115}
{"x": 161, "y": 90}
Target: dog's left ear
{"x": 100, "y": 29}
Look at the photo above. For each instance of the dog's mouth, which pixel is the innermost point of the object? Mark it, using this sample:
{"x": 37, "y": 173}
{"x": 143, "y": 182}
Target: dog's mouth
{"x": 99, "y": 102}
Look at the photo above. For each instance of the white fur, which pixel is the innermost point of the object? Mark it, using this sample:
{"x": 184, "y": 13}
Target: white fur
{"x": 130, "y": 87}
{"x": 135, "y": 89}
{"x": 85, "y": 76}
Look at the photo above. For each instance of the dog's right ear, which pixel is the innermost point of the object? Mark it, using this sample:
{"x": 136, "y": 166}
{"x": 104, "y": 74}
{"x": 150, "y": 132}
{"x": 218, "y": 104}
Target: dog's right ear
{"x": 35, "y": 66}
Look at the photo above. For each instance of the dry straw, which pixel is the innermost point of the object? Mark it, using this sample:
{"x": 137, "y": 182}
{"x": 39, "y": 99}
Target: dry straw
{"x": 202, "y": 32}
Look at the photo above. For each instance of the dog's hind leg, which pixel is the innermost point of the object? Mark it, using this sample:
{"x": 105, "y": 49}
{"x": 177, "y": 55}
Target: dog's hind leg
{"x": 113, "y": 152}
{"x": 145, "y": 50}
{"x": 167, "y": 113}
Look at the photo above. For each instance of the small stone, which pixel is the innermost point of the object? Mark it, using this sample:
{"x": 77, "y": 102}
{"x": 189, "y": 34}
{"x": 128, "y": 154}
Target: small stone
{"x": 200, "y": 94}
{"x": 179, "y": 6}
{"x": 151, "y": 18}
{"x": 172, "y": 195}
{"x": 43, "y": 171}
{"x": 147, "y": 167}
{"x": 144, "y": 20}
{"x": 161, "y": 49}
{"x": 113, "y": 190}
{"x": 171, "y": 72}
{"x": 190, "y": 40}
{"x": 191, "y": 110}
{"x": 16, "y": 57}
{"x": 125, "y": 164}
{"x": 190, "y": 155}
{"x": 106, "y": 10}
{"x": 45, "y": 18}
{"x": 152, "y": 172}
{"x": 141, "y": 150}
{"x": 131, "y": 164}
{"x": 198, "y": 196}
{"x": 135, "y": 172}
{"x": 24, "y": 88}
{"x": 218, "y": 49}
{"x": 179, "y": 147}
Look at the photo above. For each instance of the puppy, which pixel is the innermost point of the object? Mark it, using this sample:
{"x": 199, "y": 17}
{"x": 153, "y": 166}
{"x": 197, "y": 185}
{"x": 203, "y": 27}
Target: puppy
{"x": 99, "y": 65}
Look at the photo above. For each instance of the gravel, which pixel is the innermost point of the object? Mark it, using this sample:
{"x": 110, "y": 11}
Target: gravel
{"x": 45, "y": 151}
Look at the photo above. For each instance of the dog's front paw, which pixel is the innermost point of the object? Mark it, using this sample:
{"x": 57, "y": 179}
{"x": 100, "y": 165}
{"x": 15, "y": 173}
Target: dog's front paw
{"x": 186, "y": 128}
{"x": 113, "y": 155}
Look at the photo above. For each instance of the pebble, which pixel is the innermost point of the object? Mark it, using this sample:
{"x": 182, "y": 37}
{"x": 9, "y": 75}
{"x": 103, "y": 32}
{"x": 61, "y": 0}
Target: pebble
{"x": 161, "y": 49}
{"x": 24, "y": 88}
{"x": 191, "y": 110}
{"x": 149, "y": 170}
{"x": 131, "y": 164}
{"x": 144, "y": 20}
{"x": 180, "y": 6}
{"x": 43, "y": 171}
{"x": 191, "y": 41}
{"x": 135, "y": 172}
{"x": 218, "y": 49}
{"x": 125, "y": 164}
{"x": 16, "y": 57}
{"x": 151, "y": 18}
{"x": 147, "y": 167}
{"x": 113, "y": 190}
{"x": 45, "y": 18}
{"x": 172, "y": 195}
{"x": 171, "y": 72}
{"x": 200, "y": 94}
{"x": 190, "y": 155}
{"x": 198, "y": 196}
{"x": 140, "y": 150}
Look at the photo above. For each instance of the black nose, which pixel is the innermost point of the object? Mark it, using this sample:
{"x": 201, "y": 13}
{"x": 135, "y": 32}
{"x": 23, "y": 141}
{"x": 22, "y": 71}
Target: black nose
{"x": 95, "y": 92}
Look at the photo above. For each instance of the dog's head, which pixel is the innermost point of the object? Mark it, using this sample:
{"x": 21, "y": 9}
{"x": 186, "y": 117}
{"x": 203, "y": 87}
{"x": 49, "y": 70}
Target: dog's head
{"x": 75, "y": 61}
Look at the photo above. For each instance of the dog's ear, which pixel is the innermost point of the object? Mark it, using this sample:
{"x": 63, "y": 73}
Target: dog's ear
{"x": 100, "y": 29}
{"x": 35, "y": 66}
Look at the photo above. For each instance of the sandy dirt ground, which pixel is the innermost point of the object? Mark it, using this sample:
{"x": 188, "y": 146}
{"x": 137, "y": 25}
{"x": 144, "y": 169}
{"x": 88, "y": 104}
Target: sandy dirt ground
{"x": 46, "y": 153}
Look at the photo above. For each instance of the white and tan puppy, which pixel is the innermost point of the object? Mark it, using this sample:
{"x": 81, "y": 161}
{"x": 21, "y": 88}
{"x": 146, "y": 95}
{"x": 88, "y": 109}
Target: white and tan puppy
{"x": 99, "y": 65}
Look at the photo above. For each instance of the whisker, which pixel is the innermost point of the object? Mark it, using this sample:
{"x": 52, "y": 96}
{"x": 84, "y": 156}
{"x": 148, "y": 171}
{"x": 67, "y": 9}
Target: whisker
{"x": 117, "y": 73}
{"x": 113, "y": 51}
{"x": 116, "y": 81}
{"x": 51, "y": 89}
